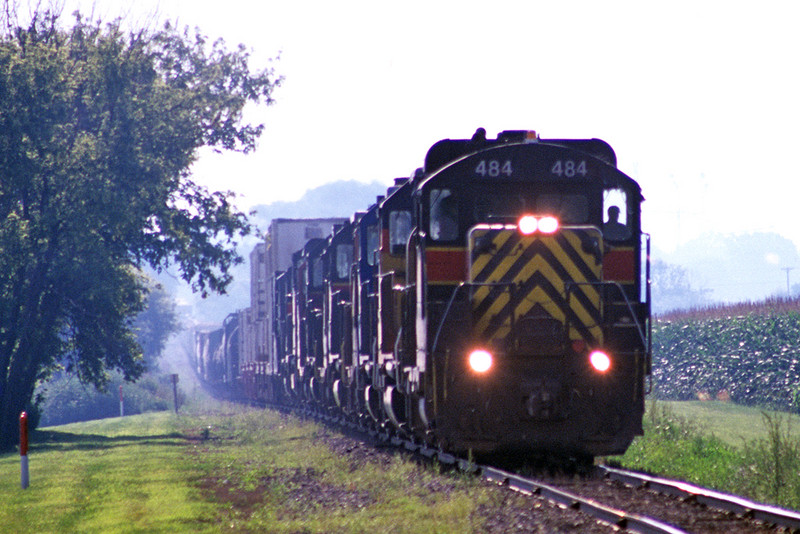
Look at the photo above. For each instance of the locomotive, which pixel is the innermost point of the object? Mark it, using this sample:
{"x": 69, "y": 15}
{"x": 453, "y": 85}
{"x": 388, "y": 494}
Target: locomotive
{"x": 495, "y": 301}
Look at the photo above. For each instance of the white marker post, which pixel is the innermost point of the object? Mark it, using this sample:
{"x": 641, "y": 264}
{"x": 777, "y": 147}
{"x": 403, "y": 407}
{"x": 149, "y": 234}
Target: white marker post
{"x": 23, "y": 450}
{"x": 121, "y": 404}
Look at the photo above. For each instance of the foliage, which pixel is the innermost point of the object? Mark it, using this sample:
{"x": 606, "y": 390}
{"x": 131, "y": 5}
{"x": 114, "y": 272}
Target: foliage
{"x": 772, "y": 463}
{"x": 98, "y": 130}
{"x": 763, "y": 469}
{"x": 751, "y": 359}
{"x": 672, "y": 290}
{"x": 66, "y": 400}
{"x": 673, "y": 446}
{"x": 155, "y": 324}
{"x": 772, "y": 305}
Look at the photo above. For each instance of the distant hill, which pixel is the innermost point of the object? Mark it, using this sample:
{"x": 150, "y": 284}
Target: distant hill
{"x": 737, "y": 268}
{"x": 336, "y": 199}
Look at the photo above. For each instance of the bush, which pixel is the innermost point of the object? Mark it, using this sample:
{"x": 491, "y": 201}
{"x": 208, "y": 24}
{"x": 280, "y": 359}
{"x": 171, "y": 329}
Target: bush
{"x": 764, "y": 470}
{"x": 772, "y": 463}
{"x": 66, "y": 400}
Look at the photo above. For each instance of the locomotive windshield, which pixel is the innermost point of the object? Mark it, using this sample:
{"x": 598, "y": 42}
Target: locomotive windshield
{"x": 344, "y": 258}
{"x": 399, "y": 230}
{"x": 444, "y": 215}
{"x": 568, "y": 208}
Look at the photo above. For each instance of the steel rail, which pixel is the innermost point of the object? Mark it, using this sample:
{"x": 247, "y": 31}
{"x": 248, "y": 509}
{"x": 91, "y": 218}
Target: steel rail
{"x": 715, "y": 499}
{"x": 606, "y": 514}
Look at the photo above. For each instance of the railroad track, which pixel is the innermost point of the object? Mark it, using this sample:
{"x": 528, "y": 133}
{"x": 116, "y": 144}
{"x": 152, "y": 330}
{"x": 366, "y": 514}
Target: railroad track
{"x": 732, "y": 504}
{"x": 640, "y": 503}
{"x": 624, "y": 500}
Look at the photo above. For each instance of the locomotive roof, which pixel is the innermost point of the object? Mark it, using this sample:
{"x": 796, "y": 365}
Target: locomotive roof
{"x": 448, "y": 153}
{"x": 449, "y": 150}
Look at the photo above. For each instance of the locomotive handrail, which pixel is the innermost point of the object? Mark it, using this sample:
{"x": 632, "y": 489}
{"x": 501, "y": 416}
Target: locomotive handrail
{"x": 453, "y": 298}
{"x": 444, "y": 316}
{"x": 649, "y": 313}
{"x": 642, "y": 335}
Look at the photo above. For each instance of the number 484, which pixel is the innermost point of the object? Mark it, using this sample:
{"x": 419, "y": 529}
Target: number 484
{"x": 569, "y": 168}
{"x": 494, "y": 168}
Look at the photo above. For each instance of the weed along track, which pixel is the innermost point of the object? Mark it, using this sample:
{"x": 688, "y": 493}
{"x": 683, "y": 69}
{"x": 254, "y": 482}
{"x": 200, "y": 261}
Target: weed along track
{"x": 276, "y": 473}
{"x": 609, "y": 498}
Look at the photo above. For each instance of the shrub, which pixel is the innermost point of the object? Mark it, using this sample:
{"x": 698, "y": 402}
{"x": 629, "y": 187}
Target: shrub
{"x": 66, "y": 400}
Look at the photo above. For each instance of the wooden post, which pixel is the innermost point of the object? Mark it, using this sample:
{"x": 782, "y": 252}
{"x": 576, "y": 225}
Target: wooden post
{"x": 175, "y": 391}
{"x": 121, "y": 403}
{"x": 23, "y": 450}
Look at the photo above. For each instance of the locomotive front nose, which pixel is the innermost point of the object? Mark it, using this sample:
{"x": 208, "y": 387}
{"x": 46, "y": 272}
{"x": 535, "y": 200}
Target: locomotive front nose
{"x": 480, "y": 360}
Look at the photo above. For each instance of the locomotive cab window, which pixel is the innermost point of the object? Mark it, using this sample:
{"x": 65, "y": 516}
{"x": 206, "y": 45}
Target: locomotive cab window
{"x": 616, "y": 220}
{"x": 316, "y": 273}
{"x": 499, "y": 206}
{"x": 444, "y": 215}
{"x": 373, "y": 242}
{"x": 569, "y": 209}
{"x": 344, "y": 257}
{"x": 399, "y": 230}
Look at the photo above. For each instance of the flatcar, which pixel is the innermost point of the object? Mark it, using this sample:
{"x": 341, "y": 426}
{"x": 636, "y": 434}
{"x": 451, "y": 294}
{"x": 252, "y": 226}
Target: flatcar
{"x": 495, "y": 301}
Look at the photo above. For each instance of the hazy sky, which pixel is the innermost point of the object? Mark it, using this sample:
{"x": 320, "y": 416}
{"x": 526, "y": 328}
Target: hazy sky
{"x": 701, "y": 100}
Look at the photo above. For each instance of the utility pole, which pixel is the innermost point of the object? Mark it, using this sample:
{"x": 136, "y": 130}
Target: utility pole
{"x": 788, "y": 287}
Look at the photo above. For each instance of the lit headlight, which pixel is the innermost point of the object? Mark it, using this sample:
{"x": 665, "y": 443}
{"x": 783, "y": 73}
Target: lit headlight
{"x": 600, "y": 361}
{"x": 480, "y": 360}
{"x": 529, "y": 224}
{"x": 548, "y": 225}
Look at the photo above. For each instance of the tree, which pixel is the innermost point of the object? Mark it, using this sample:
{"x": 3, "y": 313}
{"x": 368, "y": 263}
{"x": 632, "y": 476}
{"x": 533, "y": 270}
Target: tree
{"x": 155, "y": 324}
{"x": 98, "y": 130}
{"x": 672, "y": 289}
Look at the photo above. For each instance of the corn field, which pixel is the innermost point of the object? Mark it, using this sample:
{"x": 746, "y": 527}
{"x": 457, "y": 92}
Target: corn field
{"x": 748, "y": 353}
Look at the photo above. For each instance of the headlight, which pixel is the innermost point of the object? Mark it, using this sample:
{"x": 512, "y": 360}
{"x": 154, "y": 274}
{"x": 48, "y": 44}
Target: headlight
{"x": 528, "y": 224}
{"x": 548, "y": 225}
{"x": 480, "y": 360}
{"x": 600, "y": 361}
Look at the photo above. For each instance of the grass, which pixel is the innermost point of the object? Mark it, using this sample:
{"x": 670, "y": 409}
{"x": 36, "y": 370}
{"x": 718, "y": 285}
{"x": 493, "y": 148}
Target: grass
{"x": 111, "y": 475}
{"x": 733, "y": 424}
{"x": 276, "y": 476}
{"x": 236, "y": 470}
{"x": 226, "y": 468}
{"x": 731, "y": 448}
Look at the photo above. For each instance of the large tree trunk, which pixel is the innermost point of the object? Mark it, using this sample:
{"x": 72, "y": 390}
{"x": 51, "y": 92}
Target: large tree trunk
{"x": 26, "y": 348}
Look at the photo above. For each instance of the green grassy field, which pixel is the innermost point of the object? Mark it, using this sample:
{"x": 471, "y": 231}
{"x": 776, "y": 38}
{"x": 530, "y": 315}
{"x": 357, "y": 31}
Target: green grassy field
{"x": 731, "y": 423}
{"x": 731, "y": 448}
{"x": 235, "y": 469}
{"x": 104, "y": 476}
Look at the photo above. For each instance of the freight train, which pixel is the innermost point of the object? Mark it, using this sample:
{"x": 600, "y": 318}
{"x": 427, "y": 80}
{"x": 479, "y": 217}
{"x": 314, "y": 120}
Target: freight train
{"x": 495, "y": 301}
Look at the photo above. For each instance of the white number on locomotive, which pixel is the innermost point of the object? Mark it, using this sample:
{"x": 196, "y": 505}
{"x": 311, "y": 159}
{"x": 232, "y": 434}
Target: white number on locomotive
{"x": 569, "y": 168}
{"x": 494, "y": 168}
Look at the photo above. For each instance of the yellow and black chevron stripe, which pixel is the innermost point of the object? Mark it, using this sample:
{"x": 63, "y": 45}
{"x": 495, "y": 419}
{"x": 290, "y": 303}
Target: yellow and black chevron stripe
{"x": 539, "y": 268}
